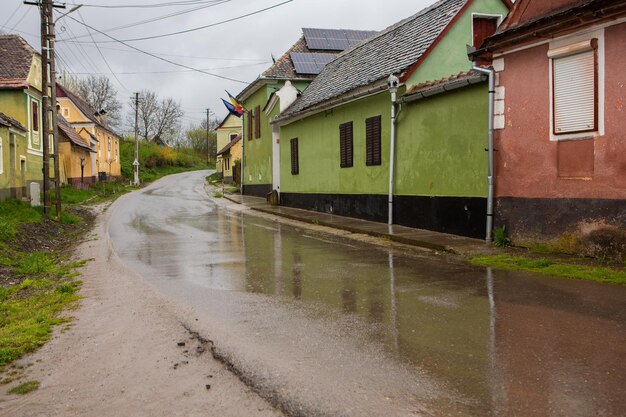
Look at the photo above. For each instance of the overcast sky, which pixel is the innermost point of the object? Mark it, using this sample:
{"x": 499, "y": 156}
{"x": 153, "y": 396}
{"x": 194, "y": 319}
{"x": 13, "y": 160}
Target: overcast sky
{"x": 240, "y": 49}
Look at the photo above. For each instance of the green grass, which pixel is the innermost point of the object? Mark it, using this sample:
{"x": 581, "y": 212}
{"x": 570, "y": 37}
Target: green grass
{"x": 45, "y": 286}
{"x": 12, "y": 214}
{"x": 25, "y": 388}
{"x": 553, "y": 268}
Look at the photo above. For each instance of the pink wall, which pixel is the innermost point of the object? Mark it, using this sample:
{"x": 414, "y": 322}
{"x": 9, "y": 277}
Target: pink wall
{"x": 528, "y": 164}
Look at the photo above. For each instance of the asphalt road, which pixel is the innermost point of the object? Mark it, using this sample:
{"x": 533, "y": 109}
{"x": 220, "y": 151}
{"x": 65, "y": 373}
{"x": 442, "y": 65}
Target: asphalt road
{"x": 320, "y": 324}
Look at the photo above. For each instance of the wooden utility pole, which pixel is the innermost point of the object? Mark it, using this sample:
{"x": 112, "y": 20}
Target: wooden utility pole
{"x": 49, "y": 127}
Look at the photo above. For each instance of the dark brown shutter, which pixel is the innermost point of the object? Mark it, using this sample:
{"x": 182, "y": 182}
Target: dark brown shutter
{"x": 257, "y": 122}
{"x": 373, "y": 150}
{"x": 483, "y": 27}
{"x": 345, "y": 145}
{"x": 35, "y": 116}
{"x": 249, "y": 127}
{"x": 295, "y": 167}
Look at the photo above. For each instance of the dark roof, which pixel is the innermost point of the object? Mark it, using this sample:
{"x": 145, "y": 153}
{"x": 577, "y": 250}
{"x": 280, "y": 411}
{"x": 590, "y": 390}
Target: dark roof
{"x": 232, "y": 143}
{"x": 16, "y": 59}
{"x": 68, "y": 131}
{"x": 392, "y": 51}
{"x": 334, "y": 39}
{"x": 83, "y": 106}
{"x": 529, "y": 20}
{"x": 11, "y": 122}
{"x": 284, "y": 68}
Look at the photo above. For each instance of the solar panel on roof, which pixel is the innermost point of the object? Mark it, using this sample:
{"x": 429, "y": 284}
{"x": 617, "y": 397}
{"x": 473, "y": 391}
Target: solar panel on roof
{"x": 310, "y": 63}
{"x": 334, "y": 39}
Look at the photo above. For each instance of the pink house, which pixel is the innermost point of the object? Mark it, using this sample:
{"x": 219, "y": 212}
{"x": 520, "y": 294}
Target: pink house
{"x": 560, "y": 117}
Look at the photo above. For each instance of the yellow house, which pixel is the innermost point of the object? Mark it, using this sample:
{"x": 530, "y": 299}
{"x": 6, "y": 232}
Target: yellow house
{"x": 229, "y": 155}
{"x": 75, "y": 156}
{"x": 92, "y": 127}
{"x": 229, "y": 129}
{"x": 21, "y": 152}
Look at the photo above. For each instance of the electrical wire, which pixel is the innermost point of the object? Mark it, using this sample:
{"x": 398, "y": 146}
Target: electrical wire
{"x": 201, "y": 27}
{"x": 101, "y": 54}
{"x": 158, "y": 18}
{"x": 12, "y": 14}
{"x": 148, "y": 6}
{"x": 87, "y": 72}
{"x": 28, "y": 9}
{"x": 156, "y": 56}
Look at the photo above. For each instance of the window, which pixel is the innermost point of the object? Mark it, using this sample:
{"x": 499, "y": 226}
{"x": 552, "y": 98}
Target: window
{"x": 35, "y": 116}
{"x": 257, "y": 122}
{"x": 345, "y": 145}
{"x": 233, "y": 136}
{"x": 372, "y": 141}
{"x": 295, "y": 166}
{"x": 575, "y": 88}
{"x": 482, "y": 28}
{"x": 249, "y": 127}
{"x": 66, "y": 112}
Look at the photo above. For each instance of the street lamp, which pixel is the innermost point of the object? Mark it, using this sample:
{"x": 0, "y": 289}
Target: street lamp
{"x": 72, "y": 10}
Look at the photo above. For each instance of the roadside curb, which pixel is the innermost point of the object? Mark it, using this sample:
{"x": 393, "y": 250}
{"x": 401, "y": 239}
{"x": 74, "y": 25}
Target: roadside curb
{"x": 412, "y": 241}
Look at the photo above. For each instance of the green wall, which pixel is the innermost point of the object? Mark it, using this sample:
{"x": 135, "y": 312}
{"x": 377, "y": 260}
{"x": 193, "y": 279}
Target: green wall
{"x": 440, "y": 146}
{"x": 318, "y": 147}
{"x": 258, "y": 152}
{"x": 450, "y": 56}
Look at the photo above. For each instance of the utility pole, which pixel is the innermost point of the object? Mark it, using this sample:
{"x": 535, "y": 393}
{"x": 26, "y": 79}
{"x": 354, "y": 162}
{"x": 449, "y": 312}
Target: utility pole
{"x": 136, "y": 162}
{"x": 48, "y": 103}
{"x": 208, "y": 149}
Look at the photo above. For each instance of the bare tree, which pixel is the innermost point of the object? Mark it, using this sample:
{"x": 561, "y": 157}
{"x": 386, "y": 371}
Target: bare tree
{"x": 157, "y": 117}
{"x": 99, "y": 92}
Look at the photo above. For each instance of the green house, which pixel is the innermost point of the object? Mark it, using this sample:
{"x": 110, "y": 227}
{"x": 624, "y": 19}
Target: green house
{"x": 21, "y": 151}
{"x": 286, "y": 78}
{"x": 335, "y": 148}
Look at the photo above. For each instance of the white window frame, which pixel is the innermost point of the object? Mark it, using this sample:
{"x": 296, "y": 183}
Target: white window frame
{"x": 600, "y": 79}
{"x": 487, "y": 16}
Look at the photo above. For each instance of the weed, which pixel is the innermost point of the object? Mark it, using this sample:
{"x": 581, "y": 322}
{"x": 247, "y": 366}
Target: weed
{"x": 66, "y": 289}
{"x": 35, "y": 263}
{"x": 25, "y": 388}
{"x": 217, "y": 195}
{"x": 500, "y": 238}
{"x": 558, "y": 269}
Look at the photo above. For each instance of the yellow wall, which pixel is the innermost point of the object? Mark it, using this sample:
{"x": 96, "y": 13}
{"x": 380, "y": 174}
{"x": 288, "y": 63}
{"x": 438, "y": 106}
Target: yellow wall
{"x": 233, "y": 125}
{"x": 71, "y": 162}
{"x": 230, "y": 158}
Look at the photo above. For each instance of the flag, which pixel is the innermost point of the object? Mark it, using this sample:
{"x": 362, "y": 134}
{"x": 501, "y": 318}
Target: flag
{"x": 235, "y": 103}
{"x": 232, "y": 109}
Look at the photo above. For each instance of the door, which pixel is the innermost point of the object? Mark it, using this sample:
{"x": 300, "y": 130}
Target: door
{"x": 22, "y": 178}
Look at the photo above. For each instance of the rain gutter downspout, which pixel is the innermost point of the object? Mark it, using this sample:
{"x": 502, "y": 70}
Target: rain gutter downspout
{"x": 393, "y": 83}
{"x": 492, "y": 91}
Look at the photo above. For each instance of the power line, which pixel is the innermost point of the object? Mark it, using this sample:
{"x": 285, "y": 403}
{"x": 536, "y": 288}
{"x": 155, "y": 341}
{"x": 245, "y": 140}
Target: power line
{"x": 259, "y": 60}
{"x": 156, "y": 56}
{"x": 148, "y": 6}
{"x": 12, "y": 14}
{"x": 201, "y": 27}
{"x": 21, "y": 18}
{"x": 87, "y": 72}
{"x": 158, "y": 18}
{"x": 102, "y": 55}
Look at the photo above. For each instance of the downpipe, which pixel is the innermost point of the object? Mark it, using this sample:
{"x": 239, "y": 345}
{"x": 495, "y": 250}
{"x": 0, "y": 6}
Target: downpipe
{"x": 392, "y": 83}
{"x": 490, "y": 194}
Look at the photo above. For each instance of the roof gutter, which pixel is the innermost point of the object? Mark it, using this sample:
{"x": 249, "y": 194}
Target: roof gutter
{"x": 378, "y": 88}
{"x": 261, "y": 81}
{"x": 451, "y": 86}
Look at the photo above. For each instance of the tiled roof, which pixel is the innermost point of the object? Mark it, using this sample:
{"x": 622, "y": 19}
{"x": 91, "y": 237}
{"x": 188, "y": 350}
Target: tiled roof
{"x": 11, "y": 122}
{"x": 16, "y": 58}
{"x": 284, "y": 69}
{"x": 232, "y": 143}
{"x": 462, "y": 78}
{"x": 83, "y": 106}
{"x": 68, "y": 131}
{"x": 391, "y": 51}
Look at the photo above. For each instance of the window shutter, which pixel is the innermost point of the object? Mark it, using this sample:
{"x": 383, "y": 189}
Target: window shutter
{"x": 249, "y": 127}
{"x": 345, "y": 145}
{"x": 372, "y": 141}
{"x": 257, "y": 122}
{"x": 575, "y": 93}
{"x": 35, "y": 116}
{"x": 482, "y": 28}
{"x": 295, "y": 168}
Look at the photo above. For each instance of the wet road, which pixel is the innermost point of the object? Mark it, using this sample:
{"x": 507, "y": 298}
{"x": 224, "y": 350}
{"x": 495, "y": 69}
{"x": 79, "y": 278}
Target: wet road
{"x": 324, "y": 325}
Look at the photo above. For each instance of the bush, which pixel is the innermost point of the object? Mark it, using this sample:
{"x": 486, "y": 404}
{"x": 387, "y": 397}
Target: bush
{"x": 500, "y": 239}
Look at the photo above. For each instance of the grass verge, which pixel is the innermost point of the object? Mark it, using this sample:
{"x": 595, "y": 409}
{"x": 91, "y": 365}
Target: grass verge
{"x": 553, "y": 268}
{"x": 25, "y": 388}
{"x": 37, "y": 280}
